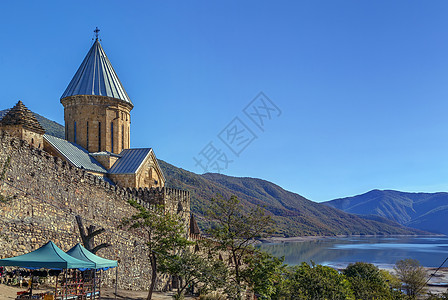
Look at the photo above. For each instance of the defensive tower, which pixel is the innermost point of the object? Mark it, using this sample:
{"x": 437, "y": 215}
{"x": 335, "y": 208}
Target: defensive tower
{"x": 19, "y": 121}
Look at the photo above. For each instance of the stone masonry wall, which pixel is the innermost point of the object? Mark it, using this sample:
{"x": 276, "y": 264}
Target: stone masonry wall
{"x": 41, "y": 195}
{"x": 88, "y": 111}
{"x": 33, "y": 138}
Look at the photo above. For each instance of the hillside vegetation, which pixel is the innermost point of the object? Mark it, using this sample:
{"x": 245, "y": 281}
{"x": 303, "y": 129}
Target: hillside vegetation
{"x": 293, "y": 214}
{"x": 424, "y": 211}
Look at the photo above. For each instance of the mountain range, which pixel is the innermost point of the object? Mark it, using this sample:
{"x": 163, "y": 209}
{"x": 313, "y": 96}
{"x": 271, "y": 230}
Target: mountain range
{"x": 424, "y": 211}
{"x": 293, "y": 214}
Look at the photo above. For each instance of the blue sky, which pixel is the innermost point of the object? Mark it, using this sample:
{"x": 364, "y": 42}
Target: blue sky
{"x": 361, "y": 86}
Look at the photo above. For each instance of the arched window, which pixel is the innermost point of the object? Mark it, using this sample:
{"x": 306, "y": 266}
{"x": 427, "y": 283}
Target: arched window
{"x": 128, "y": 139}
{"x": 99, "y": 136}
{"x": 87, "y": 137}
{"x": 111, "y": 137}
{"x": 122, "y": 137}
{"x": 74, "y": 132}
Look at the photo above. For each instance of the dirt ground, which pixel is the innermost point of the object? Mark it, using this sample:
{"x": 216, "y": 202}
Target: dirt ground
{"x": 135, "y": 295}
{"x": 9, "y": 292}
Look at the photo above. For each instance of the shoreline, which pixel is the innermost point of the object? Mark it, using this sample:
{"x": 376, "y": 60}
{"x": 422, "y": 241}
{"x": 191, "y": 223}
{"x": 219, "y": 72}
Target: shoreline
{"x": 437, "y": 284}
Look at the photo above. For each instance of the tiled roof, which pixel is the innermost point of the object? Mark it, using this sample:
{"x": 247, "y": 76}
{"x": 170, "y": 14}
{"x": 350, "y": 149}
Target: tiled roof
{"x": 75, "y": 154}
{"x": 21, "y": 115}
{"x": 96, "y": 76}
{"x": 130, "y": 161}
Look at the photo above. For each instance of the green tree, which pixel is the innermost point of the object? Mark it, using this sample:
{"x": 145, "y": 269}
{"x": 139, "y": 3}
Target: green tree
{"x": 264, "y": 274}
{"x": 310, "y": 282}
{"x": 196, "y": 270}
{"x": 367, "y": 281}
{"x": 233, "y": 230}
{"x": 165, "y": 236}
{"x": 394, "y": 284}
{"x": 413, "y": 276}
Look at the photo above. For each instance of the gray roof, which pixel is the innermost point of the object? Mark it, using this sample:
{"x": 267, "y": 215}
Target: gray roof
{"x": 130, "y": 161}
{"x": 75, "y": 154}
{"x": 96, "y": 76}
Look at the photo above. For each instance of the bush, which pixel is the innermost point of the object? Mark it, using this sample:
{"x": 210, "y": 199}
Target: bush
{"x": 413, "y": 276}
{"x": 307, "y": 282}
{"x": 367, "y": 281}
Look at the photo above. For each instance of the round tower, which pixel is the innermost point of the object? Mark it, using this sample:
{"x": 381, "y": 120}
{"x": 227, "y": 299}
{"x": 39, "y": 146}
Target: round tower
{"x": 96, "y": 106}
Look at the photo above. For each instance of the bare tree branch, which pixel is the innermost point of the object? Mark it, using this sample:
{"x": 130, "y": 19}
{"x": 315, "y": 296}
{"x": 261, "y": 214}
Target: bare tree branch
{"x": 88, "y": 239}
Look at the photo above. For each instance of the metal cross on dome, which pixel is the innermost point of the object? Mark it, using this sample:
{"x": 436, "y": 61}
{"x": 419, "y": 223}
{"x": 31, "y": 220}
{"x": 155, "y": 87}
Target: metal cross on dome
{"x": 96, "y": 32}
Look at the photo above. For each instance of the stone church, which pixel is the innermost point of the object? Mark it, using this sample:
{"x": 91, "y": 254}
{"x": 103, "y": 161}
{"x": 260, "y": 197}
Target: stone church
{"x": 93, "y": 172}
{"x": 97, "y": 114}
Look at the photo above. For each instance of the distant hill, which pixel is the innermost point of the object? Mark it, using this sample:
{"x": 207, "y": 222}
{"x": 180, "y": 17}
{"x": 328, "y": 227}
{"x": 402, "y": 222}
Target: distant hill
{"x": 424, "y": 211}
{"x": 294, "y": 215}
{"x": 51, "y": 127}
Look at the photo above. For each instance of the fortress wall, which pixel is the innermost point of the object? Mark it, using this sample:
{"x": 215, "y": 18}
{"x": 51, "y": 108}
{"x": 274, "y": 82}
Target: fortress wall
{"x": 41, "y": 194}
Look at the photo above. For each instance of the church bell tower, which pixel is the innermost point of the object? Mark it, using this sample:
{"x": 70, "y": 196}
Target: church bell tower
{"x": 96, "y": 106}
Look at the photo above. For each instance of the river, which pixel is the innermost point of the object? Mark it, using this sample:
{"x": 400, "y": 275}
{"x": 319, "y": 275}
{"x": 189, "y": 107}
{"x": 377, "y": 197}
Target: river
{"x": 338, "y": 252}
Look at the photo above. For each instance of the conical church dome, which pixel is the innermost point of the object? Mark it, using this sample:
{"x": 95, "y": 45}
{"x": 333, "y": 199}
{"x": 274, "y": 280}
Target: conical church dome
{"x": 96, "y": 106}
{"x": 96, "y": 76}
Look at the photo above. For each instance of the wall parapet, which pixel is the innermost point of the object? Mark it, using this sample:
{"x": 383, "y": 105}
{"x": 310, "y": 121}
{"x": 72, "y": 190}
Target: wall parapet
{"x": 147, "y": 196}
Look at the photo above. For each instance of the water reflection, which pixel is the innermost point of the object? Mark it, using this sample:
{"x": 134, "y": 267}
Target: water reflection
{"x": 383, "y": 251}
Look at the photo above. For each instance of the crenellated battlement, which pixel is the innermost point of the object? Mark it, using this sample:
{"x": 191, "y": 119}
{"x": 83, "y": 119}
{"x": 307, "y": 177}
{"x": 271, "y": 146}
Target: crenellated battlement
{"x": 175, "y": 200}
{"x": 168, "y": 197}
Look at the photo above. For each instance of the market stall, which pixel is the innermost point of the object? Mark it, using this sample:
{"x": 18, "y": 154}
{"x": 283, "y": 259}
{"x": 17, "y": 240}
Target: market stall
{"x": 50, "y": 256}
{"x": 94, "y": 275}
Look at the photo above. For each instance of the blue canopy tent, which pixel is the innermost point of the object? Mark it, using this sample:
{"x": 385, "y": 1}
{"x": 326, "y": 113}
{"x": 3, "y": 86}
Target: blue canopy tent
{"x": 48, "y": 256}
{"x": 79, "y": 252}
